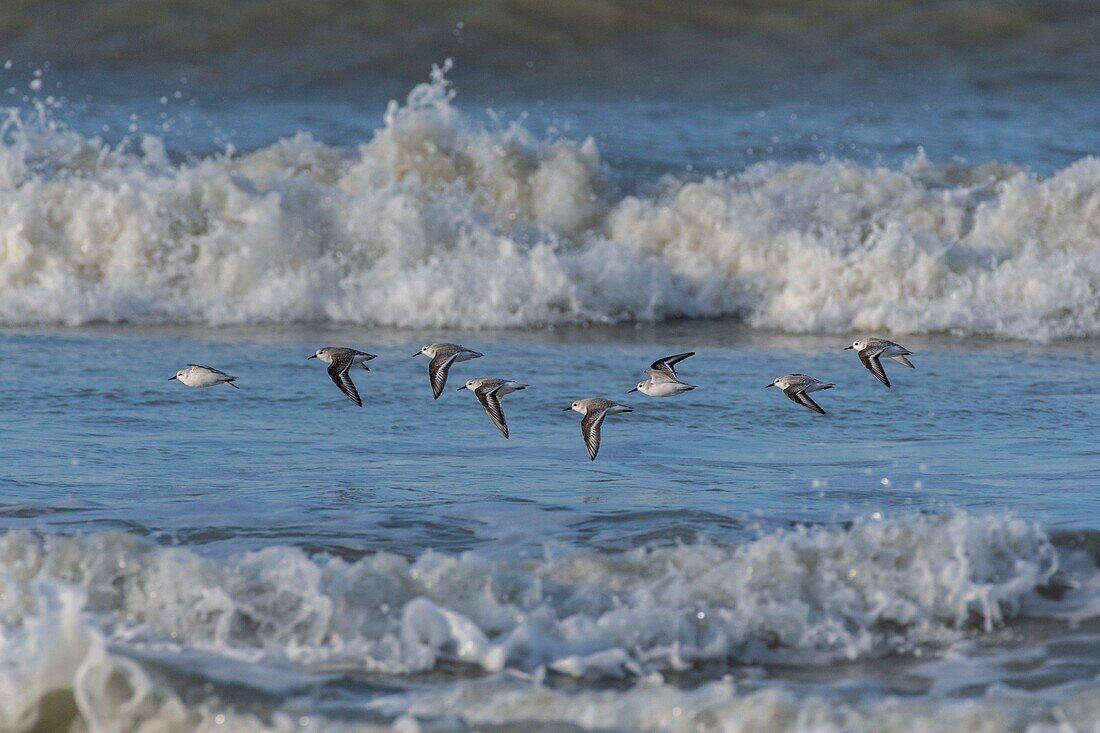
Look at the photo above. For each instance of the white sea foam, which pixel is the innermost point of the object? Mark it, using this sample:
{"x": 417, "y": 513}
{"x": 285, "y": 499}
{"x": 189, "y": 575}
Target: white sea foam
{"x": 805, "y": 596}
{"x": 439, "y": 221}
{"x": 721, "y": 707}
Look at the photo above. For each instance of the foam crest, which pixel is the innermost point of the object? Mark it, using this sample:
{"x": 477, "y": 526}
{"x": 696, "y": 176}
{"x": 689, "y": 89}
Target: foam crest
{"x": 439, "y": 221}
{"x": 800, "y": 596}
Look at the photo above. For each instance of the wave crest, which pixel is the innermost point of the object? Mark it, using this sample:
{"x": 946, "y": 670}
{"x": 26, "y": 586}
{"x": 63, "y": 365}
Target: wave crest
{"x": 806, "y": 595}
{"x": 438, "y": 221}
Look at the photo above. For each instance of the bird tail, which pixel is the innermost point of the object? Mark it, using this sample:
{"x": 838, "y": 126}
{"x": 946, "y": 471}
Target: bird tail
{"x": 230, "y": 383}
{"x": 364, "y": 365}
{"x": 904, "y": 361}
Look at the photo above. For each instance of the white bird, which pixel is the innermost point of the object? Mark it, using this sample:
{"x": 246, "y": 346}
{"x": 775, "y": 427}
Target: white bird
{"x": 442, "y": 357}
{"x": 489, "y": 391}
{"x": 197, "y": 375}
{"x": 340, "y": 360}
{"x": 595, "y": 409}
{"x": 798, "y": 386}
{"x": 663, "y": 381}
{"x": 872, "y": 350}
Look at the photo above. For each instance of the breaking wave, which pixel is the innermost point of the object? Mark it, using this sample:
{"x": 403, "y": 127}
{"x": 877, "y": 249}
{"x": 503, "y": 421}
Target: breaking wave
{"x": 70, "y": 608}
{"x": 441, "y": 221}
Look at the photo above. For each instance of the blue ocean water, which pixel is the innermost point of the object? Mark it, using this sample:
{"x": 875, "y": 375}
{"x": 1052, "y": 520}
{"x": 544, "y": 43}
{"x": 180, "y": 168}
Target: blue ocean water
{"x": 109, "y": 443}
{"x": 585, "y": 188}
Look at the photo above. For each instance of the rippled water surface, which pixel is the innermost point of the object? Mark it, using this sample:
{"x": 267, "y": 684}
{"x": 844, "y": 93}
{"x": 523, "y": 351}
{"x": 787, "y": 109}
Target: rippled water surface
{"x": 573, "y": 190}
{"x": 936, "y": 539}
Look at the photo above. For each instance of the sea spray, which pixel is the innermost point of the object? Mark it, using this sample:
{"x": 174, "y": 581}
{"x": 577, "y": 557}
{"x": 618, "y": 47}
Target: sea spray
{"x": 440, "y": 221}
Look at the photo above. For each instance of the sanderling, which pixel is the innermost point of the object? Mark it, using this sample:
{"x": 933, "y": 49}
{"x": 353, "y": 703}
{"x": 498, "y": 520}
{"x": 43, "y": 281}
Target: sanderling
{"x": 489, "y": 390}
{"x": 442, "y": 356}
{"x": 871, "y": 350}
{"x": 797, "y": 387}
{"x": 595, "y": 409}
{"x": 197, "y": 375}
{"x": 340, "y": 360}
{"x": 663, "y": 381}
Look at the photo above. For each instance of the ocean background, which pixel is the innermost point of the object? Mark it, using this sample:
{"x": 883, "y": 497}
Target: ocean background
{"x": 573, "y": 189}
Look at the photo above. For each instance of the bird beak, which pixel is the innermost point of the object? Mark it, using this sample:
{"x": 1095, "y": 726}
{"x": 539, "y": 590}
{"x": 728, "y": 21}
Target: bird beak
{"x": 633, "y": 390}
{"x": 770, "y": 385}
{"x": 567, "y": 409}
{"x": 311, "y": 357}
{"x": 461, "y": 388}
{"x": 171, "y": 378}
{"x": 417, "y": 354}
{"x": 847, "y": 347}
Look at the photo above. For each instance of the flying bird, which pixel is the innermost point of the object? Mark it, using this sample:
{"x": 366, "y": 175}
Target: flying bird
{"x": 442, "y": 357}
{"x": 798, "y": 386}
{"x": 663, "y": 380}
{"x": 595, "y": 409}
{"x": 489, "y": 391}
{"x": 340, "y": 360}
{"x": 872, "y": 350}
{"x": 197, "y": 375}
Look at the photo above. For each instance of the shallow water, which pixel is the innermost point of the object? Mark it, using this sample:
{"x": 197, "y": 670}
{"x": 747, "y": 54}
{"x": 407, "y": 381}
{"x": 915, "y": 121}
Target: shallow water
{"x": 277, "y": 550}
{"x": 586, "y": 188}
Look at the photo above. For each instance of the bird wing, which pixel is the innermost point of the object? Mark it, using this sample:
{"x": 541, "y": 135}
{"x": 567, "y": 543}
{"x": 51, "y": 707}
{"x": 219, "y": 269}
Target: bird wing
{"x": 590, "y": 429}
{"x": 667, "y": 364}
{"x": 209, "y": 369}
{"x": 490, "y": 400}
{"x": 438, "y": 368}
{"x": 805, "y": 400}
{"x": 338, "y": 371}
{"x": 869, "y": 357}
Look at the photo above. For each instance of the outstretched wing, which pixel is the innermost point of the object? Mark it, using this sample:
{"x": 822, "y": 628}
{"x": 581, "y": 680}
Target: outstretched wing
{"x": 490, "y": 400}
{"x": 870, "y": 359}
{"x": 590, "y": 429}
{"x": 438, "y": 368}
{"x": 667, "y": 364}
{"x": 338, "y": 371}
{"x": 805, "y": 400}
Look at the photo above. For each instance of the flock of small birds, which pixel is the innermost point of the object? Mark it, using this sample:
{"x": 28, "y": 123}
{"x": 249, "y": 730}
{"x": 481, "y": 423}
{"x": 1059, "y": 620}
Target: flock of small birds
{"x": 663, "y": 380}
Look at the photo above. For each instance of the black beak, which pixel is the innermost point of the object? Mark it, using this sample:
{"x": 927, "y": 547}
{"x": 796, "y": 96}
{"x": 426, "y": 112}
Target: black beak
{"x": 417, "y": 354}
{"x": 311, "y": 357}
{"x": 770, "y": 385}
{"x": 568, "y": 409}
{"x": 461, "y": 388}
{"x": 633, "y": 390}
{"x": 170, "y": 378}
{"x": 847, "y": 347}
